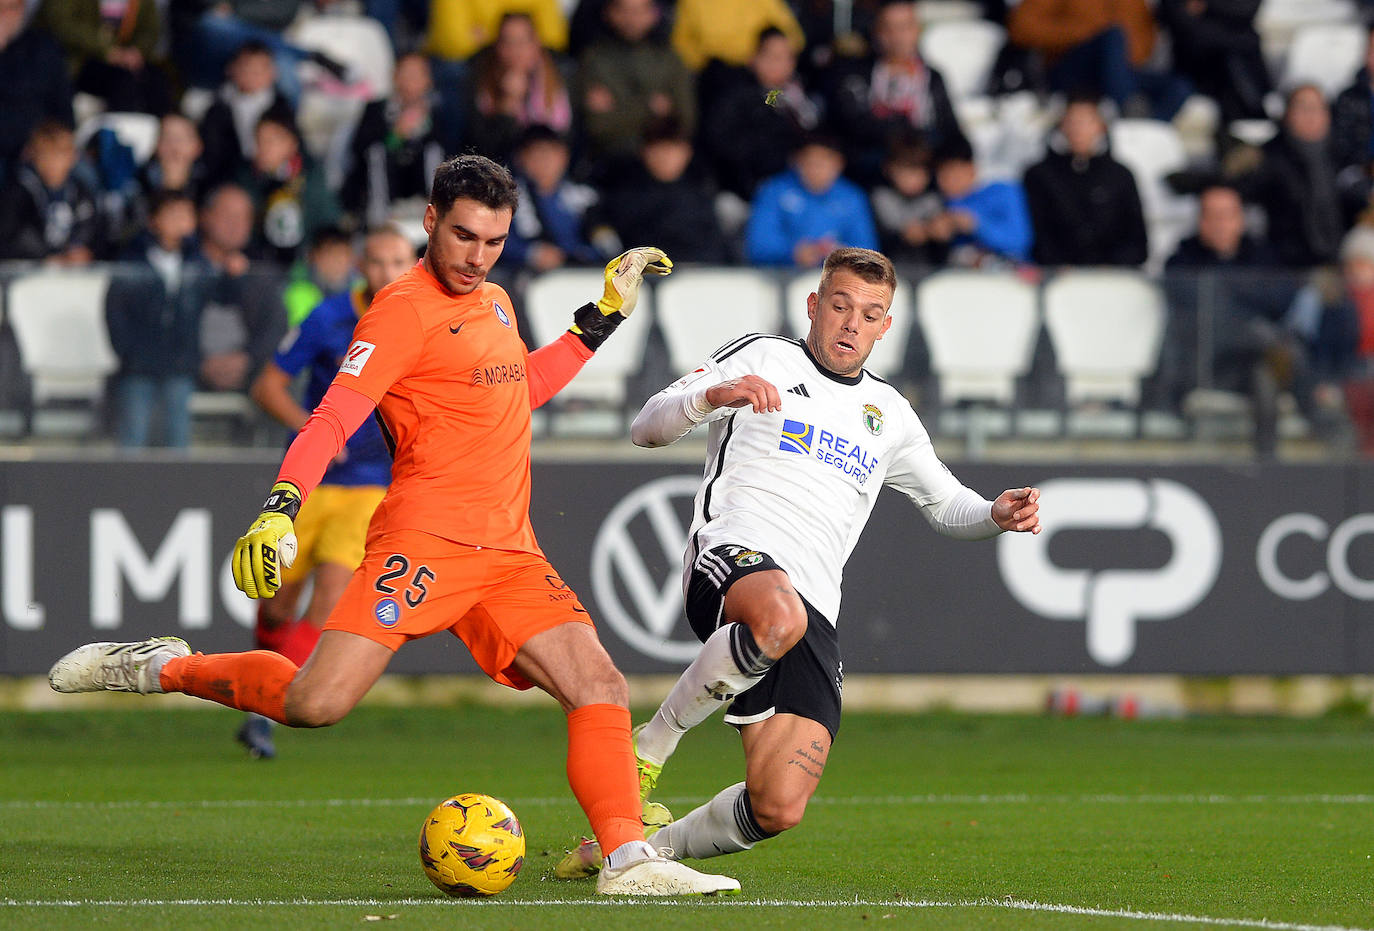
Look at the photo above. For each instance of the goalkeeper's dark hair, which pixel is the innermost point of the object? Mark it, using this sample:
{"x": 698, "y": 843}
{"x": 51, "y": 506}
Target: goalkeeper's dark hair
{"x": 473, "y": 177}
{"x": 871, "y": 266}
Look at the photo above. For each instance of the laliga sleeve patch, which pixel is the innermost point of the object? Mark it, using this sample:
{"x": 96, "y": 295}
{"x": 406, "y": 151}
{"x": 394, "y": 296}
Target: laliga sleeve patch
{"x": 356, "y": 358}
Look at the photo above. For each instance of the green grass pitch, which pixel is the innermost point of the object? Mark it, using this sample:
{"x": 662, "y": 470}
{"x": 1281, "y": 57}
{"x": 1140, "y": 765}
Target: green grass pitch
{"x": 154, "y": 818}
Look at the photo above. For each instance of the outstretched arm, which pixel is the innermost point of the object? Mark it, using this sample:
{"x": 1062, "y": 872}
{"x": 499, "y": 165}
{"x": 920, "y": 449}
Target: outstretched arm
{"x": 551, "y": 367}
{"x": 671, "y": 414}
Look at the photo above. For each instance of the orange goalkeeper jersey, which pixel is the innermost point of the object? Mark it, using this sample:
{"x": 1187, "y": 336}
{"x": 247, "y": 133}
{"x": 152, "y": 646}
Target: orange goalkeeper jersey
{"x": 449, "y": 375}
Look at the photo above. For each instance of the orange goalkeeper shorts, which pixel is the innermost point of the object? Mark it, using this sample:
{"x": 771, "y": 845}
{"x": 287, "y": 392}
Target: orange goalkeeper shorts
{"x": 414, "y": 584}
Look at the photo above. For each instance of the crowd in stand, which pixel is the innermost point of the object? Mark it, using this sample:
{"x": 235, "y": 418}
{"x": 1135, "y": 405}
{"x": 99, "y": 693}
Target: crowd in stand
{"x": 762, "y": 133}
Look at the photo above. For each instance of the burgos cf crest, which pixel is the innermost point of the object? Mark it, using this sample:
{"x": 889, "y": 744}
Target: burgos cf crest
{"x": 873, "y": 419}
{"x": 797, "y": 437}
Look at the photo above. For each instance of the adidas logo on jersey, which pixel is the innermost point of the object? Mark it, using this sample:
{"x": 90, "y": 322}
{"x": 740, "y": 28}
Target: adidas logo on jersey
{"x": 799, "y": 389}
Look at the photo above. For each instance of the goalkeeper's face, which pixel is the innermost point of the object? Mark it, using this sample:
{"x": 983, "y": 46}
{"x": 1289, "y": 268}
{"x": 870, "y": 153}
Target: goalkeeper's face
{"x": 464, "y": 243}
{"x": 847, "y": 316}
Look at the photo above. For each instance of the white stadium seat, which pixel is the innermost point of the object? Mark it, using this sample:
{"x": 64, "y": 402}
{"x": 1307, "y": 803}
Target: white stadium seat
{"x": 889, "y": 353}
{"x": 963, "y": 51}
{"x": 1106, "y": 327}
{"x": 701, "y": 309}
{"x": 980, "y": 328}
{"x": 550, "y": 301}
{"x": 58, "y": 319}
{"x": 1327, "y": 55}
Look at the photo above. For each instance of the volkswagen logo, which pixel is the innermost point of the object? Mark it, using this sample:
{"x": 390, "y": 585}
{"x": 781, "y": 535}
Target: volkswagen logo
{"x": 643, "y": 604}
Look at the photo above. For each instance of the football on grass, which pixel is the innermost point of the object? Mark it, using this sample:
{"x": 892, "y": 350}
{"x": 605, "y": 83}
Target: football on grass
{"x": 472, "y": 845}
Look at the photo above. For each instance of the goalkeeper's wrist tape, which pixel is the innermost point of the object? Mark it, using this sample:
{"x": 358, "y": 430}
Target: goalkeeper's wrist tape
{"x": 593, "y": 327}
{"x": 285, "y": 498}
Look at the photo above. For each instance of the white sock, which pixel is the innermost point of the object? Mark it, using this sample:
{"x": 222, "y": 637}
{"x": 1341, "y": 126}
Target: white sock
{"x": 725, "y": 824}
{"x": 730, "y": 662}
{"x": 629, "y": 852}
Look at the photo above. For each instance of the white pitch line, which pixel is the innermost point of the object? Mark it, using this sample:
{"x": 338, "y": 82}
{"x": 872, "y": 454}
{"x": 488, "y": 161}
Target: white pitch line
{"x": 1005, "y": 903}
{"x": 875, "y": 800}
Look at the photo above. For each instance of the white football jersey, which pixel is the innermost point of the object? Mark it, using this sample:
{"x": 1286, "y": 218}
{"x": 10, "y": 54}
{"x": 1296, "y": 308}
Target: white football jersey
{"x": 799, "y": 483}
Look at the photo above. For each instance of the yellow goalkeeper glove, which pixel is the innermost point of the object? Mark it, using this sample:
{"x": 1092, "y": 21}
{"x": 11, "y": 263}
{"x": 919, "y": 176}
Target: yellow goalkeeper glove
{"x": 269, "y": 545}
{"x": 593, "y": 323}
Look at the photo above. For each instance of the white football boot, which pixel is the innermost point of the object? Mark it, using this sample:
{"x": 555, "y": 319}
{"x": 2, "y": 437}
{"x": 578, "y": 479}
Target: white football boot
{"x": 116, "y": 667}
{"x": 660, "y": 876}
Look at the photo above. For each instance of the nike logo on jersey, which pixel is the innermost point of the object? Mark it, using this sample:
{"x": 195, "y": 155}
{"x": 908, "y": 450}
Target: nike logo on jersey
{"x": 799, "y": 389}
{"x": 455, "y": 329}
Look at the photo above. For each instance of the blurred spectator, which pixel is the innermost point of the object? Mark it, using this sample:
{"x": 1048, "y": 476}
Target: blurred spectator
{"x": 801, "y": 215}
{"x": 395, "y": 146}
{"x": 288, "y": 190}
{"x": 724, "y": 30}
{"x": 745, "y": 138}
{"x": 1243, "y": 320}
{"x": 33, "y": 84}
{"x": 1084, "y": 204}
{"x": 1295, "y": 182}
{"x": 1356, "y": 319}
{"x": 243, "y": 319}
{"x": 112, "y": 51}
{"x": 549, "y": 229}
{"x": 1214, "y": 44}
{"x": 1099, "y": 46}
{"x": 327, "y": 270}
{"x": 835, "y": 30}
{"x": 229, "y": 126}
{"x": 663, "y": 202}
{"x": 905, "y": 207}
{"x": 176, "y": 164}
{"x": 515, "y": 84}
{"x": 153, "y": 313}
{"x": 983, "y": 222}
{"x": 1352, "y": 134}
{"x": 628, "y": 78}
{"x": 457, "y": 30}
{"x": 213, "y": 32}
{"x": 891, "y": 92}
{"x": 50, "y": 212}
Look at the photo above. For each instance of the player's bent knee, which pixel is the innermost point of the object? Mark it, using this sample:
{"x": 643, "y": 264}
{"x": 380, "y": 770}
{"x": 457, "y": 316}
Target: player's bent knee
{"x": 776, "y": 815}
{"x": 781, "y": 626}
{"x": 603, "y": 686}
{"x": 305, "y": 709}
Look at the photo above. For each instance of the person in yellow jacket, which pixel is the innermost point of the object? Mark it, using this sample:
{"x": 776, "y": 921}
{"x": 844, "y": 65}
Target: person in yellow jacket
{"x": 459, "y": 28}
{"x": 729, "y": 30}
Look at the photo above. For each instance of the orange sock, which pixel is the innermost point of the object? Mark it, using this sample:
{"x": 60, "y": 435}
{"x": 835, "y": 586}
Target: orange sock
{"x": 253, "y": 681}
{"x": 601, "y": 771}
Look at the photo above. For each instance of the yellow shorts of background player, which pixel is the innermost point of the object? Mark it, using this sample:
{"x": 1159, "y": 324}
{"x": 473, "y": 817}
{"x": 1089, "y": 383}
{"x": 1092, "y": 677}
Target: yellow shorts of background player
{"x": 332, "y": 527}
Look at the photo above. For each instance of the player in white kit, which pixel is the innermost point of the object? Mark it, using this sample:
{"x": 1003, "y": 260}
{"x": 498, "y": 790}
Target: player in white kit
{"x": 802, "y": 439}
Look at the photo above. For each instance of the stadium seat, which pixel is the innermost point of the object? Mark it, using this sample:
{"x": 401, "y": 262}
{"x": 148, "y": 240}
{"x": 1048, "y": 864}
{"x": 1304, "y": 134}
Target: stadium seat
{"x": 889, "y": 353}
{"x": 599, "y": 387}
{"x": 139, "y": 131}
{"x": 1279, "y": 20}
{"x": 701, "y": 309}
{"x": 1106, "y": 327}
{"x": 1153, "y": 150}
{"x": 1325, "y": 54}
{"x": 963, "y": 51}
{"x": 980, "y": 328}
{"x": 58, "y": 320}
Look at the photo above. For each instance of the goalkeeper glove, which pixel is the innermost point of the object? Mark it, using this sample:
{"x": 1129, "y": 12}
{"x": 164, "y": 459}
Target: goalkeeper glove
{"x": 269, "y": 545}
{"x": 593, "y": 323}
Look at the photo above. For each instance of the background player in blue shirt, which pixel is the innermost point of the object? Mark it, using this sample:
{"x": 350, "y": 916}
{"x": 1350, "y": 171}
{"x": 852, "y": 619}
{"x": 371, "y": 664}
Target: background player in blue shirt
{"x": 332, "y": 525}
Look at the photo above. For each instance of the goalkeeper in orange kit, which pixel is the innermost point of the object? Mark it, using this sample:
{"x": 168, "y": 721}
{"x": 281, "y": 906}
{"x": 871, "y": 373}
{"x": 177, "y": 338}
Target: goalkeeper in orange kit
{"x": 450, "y": 547}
